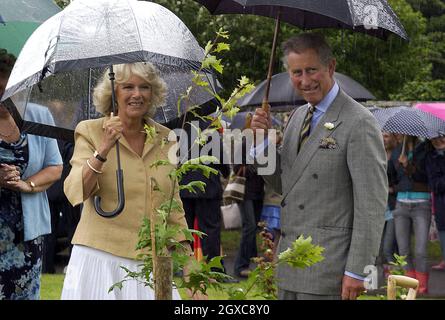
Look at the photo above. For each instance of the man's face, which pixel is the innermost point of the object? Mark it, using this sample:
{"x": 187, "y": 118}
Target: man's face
{"x": 309, "y": 76}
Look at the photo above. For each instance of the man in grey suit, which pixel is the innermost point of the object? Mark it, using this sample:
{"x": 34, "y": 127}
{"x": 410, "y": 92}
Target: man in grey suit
{"x": 331, "y": 171}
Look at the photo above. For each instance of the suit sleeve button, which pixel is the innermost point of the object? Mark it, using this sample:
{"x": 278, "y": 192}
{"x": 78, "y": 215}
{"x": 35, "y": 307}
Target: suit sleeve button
{"x": 301, "y": 206}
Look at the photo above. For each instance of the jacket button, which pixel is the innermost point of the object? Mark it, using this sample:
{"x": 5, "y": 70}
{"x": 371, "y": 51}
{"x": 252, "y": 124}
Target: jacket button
{"x": 301, "y": 206}
{"x": 315, "y": 176}
{"x": 283, "y": 203}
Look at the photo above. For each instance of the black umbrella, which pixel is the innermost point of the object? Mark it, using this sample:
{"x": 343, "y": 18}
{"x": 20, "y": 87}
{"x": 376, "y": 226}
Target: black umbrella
{"x": 283, "y": 96}
{"x": 373, "y": 17}
{"x": 409, "y": 121}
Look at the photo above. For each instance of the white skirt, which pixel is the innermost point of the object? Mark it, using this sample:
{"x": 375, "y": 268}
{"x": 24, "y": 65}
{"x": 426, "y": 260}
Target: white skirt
{"x": 91, "y": 273}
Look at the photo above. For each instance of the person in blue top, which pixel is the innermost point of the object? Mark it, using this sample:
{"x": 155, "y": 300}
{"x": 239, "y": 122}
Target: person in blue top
{"x": 413, "y": 206}
{"x": 29, "y": 165}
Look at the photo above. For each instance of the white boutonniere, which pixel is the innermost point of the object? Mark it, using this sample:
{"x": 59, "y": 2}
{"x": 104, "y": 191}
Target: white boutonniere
{"x": 328, "y": 143}
{"x": 329, "y": 125}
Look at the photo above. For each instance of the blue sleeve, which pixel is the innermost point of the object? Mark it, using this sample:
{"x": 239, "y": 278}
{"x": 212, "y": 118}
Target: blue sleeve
{"x": 52, "y": 153}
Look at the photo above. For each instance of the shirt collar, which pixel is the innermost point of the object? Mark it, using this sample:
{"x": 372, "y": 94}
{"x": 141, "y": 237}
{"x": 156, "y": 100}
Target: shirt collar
{"x": 328, "y": 99}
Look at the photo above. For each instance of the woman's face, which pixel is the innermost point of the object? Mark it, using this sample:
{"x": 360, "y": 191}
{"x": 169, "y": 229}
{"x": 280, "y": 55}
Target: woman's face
{"x": 133, "y": 97}
{"x": 389, "y": 140}
{"x": 438, "y": 143}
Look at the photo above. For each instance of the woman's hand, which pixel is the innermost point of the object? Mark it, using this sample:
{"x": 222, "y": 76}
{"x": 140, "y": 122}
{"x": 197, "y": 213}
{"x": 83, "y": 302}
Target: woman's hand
{"x": 20, "y": 186}
{"x": 403, "y": 160}
{"x": 112, "y": 132}
{"x": 8, "y": 174}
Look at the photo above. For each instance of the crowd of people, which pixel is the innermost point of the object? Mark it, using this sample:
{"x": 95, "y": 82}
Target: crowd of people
{"x": 358, "y": 192}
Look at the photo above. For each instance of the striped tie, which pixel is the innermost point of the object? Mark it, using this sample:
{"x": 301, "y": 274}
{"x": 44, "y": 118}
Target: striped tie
{"x": 305, "y": 129}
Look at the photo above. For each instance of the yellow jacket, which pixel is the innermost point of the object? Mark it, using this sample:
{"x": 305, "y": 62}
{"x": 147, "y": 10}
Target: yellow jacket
{"x": 119, "y": 235}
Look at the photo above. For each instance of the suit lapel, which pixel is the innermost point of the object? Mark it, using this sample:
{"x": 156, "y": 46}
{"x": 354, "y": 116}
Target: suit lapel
{"x": 311, "y": 146}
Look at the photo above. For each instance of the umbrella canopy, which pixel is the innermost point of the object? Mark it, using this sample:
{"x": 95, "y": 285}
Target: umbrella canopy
{"x": 409, "y": 121}
{"x": 91, "y": 34}
{"x": 67, "y": 54}
{"x": 373, "y": 17}
{"x": 19, "y": 18}
{"x": 435, "y": 108}
{"x": 284, "y": 97}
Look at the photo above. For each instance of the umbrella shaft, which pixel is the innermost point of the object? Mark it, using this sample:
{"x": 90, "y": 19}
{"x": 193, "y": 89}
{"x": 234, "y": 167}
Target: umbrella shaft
{"x": 272, "y": 59}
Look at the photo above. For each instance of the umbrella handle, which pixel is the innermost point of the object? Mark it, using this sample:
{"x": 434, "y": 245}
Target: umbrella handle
{"x": 120, "y": 195}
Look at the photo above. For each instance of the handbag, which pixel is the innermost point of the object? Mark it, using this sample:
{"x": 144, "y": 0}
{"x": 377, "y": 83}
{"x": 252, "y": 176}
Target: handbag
{"x": 236, "y": 187}
{"x": 231, "y": 216}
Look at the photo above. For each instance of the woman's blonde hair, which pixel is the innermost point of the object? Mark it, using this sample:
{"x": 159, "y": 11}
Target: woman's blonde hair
{"x": 123, "y": 72}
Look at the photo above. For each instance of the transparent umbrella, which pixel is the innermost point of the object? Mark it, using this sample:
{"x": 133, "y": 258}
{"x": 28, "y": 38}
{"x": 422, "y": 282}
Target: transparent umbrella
{"x": 65, "y": 55}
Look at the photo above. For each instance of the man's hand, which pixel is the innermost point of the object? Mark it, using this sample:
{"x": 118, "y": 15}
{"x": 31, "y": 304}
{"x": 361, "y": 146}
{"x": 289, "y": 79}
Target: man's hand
{"x": 351, "y": 288}
{"x": 198, "y": 295}
{"x": 261, "y": 120}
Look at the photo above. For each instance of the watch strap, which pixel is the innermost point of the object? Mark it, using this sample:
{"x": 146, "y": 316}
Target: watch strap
{"x": 99, "y": 157}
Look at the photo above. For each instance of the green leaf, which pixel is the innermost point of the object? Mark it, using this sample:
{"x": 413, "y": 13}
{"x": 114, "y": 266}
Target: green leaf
{"x": 231, "y": 112}
{"x": 151, "y": 132}
{"x": 193, "y": 186}
{"x": 236, "y": 293}
{"x": 159, "y": 163}
{"x": 199, "y": 79}
{"x": 208, "y": 48}
{"x": 212, "y": 61}
{"x": 302, "y": 254}
{"x": 223, "y": 33}
{"x": 222, "y": 47}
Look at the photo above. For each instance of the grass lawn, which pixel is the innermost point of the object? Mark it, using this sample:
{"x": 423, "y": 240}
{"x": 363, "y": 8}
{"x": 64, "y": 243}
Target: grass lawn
{"x": 52, "y": 288}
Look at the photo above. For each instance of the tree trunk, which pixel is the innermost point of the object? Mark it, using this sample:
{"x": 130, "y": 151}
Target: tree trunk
{"x": 163, "y": 278}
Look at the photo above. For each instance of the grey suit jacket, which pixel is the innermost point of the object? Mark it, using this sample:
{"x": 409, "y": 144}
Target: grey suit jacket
{"x": 337, "y": 196}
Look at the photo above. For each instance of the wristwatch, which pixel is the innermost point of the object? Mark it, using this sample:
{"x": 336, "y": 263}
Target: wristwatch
{"x": 99, "y": 157}
{"x": 32, "y": 185}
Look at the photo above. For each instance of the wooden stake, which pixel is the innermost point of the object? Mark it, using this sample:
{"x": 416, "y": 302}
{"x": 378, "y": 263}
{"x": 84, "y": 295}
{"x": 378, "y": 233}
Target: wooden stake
{"x": 162, "y": 266}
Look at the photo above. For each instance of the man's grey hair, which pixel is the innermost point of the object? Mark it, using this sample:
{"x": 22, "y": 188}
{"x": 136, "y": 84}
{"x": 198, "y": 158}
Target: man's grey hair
{"x": 305, "y": 41}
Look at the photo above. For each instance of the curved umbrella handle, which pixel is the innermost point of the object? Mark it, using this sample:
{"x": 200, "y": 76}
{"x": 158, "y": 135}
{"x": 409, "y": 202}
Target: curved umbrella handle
{"x": 120, "y": 195}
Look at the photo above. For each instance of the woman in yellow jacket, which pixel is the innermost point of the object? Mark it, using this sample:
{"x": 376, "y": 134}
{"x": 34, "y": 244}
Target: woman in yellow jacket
{"x": 103, "y": 245}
